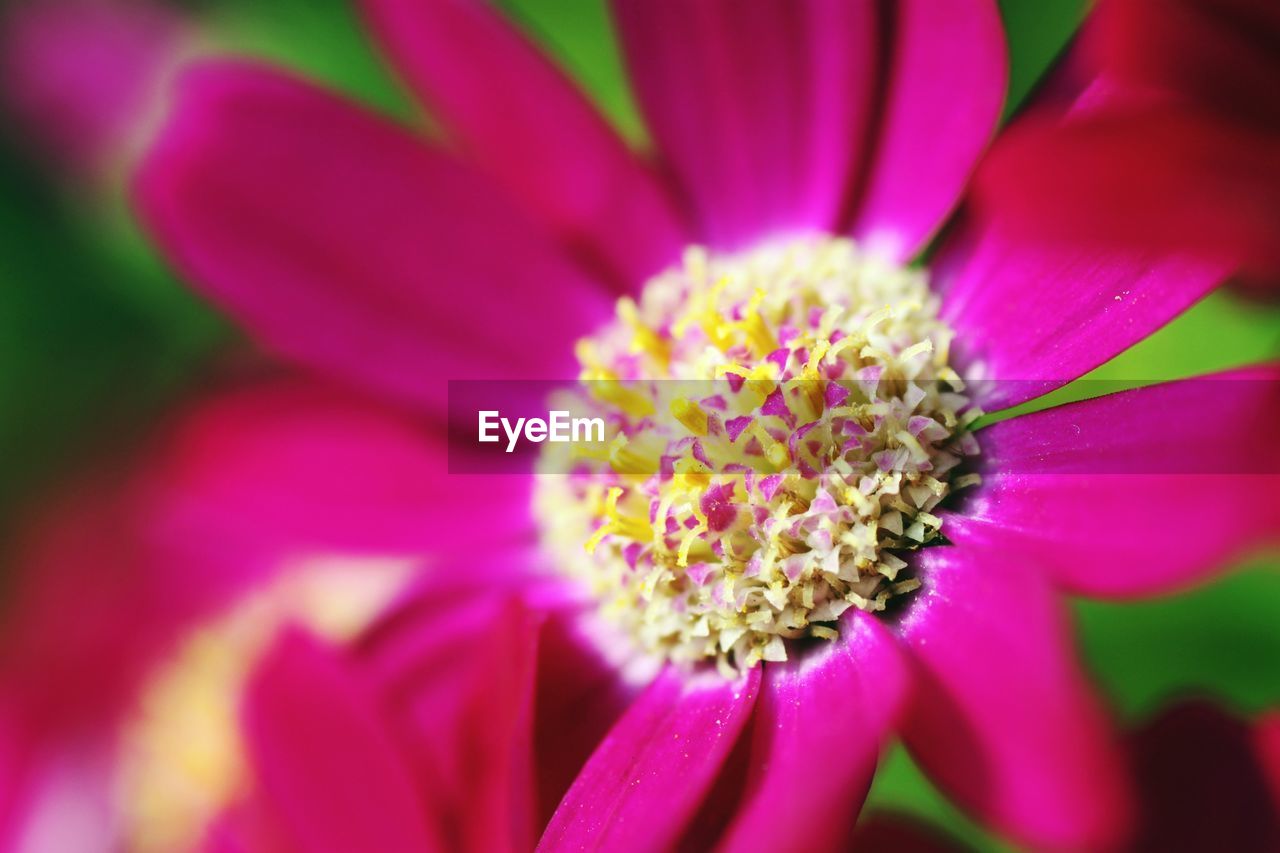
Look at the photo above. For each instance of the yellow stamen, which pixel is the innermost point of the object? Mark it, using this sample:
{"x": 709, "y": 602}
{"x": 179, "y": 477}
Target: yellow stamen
{"x": 690, "y": 414}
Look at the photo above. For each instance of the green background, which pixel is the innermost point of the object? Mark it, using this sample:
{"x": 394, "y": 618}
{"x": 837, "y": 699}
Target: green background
{"x": 96, "y": 339}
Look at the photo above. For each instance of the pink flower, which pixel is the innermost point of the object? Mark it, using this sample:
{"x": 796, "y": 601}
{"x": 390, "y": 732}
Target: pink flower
{"x": 368, "y": 251}
{"x": 140, "y": 601}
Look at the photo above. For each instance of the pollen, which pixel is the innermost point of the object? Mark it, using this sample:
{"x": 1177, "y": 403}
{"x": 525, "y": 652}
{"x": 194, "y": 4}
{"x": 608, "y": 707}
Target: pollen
{"x": 784, "y": 424}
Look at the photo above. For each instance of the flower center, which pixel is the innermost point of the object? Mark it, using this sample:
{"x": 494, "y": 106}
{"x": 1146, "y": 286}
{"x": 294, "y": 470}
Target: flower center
{"x": 781, "y": 425}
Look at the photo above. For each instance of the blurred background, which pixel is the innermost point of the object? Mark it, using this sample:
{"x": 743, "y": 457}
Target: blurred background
{"x": 98, "y": 340}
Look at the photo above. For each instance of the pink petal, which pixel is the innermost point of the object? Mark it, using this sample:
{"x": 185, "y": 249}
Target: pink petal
{"x": 1002, "y": 717}
{"x": 817, "y": 731}
{"x": 460, "y": 696}
{"x": 1203, "y": 783}
{"x": 1218, "y": 52}
{"x": 248, "y": 826}
{"x": 323, "y": 758}
{"x": 81, "y": 75}
{"x": 760, "y": 107}
{"x": 238, "y": 485}
{"x": 1267, "y": 746}
{"x": 1210, "y": 186}
{"x": 580, "y": 698}
{"x": 517, "y": 116}
{"x": 1035, "y": 315}
{"x": 892, "y": 832}
{"x": 347, "y": 244}
{"x": 646, "y": 780}
{"x": 946, "y": 84}
{"x": 296, "y": 466}
{"x": 1139, "y": 492}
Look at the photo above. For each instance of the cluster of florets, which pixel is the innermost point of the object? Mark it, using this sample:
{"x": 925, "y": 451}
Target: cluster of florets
{"x": 782, "y": 425}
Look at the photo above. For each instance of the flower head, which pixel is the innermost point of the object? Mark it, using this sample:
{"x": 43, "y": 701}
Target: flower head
{"x": 813, "y": 525}
{"x": 782, "y": 422}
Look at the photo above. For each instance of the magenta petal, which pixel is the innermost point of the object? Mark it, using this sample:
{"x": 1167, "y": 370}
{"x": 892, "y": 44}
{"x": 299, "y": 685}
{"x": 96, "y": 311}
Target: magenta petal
{"x": 1210, "y": 187}
{"x": 296, "y": 466}
{"x": 760, "y": 107}
{"x": 1217, "y": 52}
{"x": 80, "y": 75}
{"x": 946, "y": 84}
{"x": 1203, "y": 782}
{"x": 580, "y": 697}
{"x": 1035, "y": 316}
{"x": 894, "y": 832}
{"x": 1002, "y": 717}
{"x": 646, "y": 780}
{"x": 818, "y": 728}
{"x": 344, "y": 242}
{"x": 323, "y": 758}
{"x": 517, "y": 116}
{"x": 458, "y": 680}
{"x": 1266, "y": 737}
{"x": 1138, "y": 492}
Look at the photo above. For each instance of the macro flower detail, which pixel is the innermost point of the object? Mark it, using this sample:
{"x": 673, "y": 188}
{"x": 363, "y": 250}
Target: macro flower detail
{"x": 827, "y": 427}
{"x": 804, "y": 155}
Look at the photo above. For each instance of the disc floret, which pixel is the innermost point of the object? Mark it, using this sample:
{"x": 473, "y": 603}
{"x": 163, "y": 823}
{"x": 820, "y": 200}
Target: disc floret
{"x": 782, "y": 425}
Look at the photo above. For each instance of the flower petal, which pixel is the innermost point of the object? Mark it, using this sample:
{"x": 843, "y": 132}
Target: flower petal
{"x": 323, "y": 758}
{"x": 1210, "y": 186}
{"x": 580, "y": 698}
{"x": 458, "y": 683}
{"x": 646, "y": 780}
{"x": 822, "y": 720}
{"x": 1219, "y": 52}
{"x": 1138, "y": 492}
{"x": 1203, "y": 782}
{"x": 241, "y": 484}
{"x": 1266, "y": 738}
{"x": 81, "y": 75}
{"x": 946, "y": 84}
{"x": 1002, "y": 718}
{"x": 517, "y": 116}
{"x": 760, "y": 107}
{"x": 894, "y": 832}
{"x": 294, "y": 466}
{"x": 1035, "y": 315}
{"x": 347, "y": 244}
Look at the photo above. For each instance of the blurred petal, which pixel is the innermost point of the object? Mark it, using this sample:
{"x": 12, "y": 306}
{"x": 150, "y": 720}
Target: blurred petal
{"x": 57, "y": 796}
{"x": 343, "y": 242}
{"x": 1221, "y": 52}
{"x": 888, "y": 832}
{"x": 818, "y": 728}
{"x": 1267, "y": 742}
{"x": 1202, "y": 783}
{"x": 1139, "y": 492}
{"x": 761, "y": 108}
{"x": 1035, "y": 315}
{"x": 295, "y": 466}
{"x": 81, "y": 75}
{"x": 646, "y": 780}
{"x": 323, "y": 758}
{"x": 946, "y": 84}
{"x": 458, "y": 680}
{"x": 1209, "y": 187}
{"x": 1002, "y": 717}
{"x": 580, "y": 697}
{"x": 516, "y": 115}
